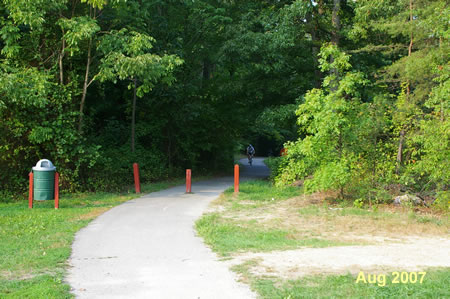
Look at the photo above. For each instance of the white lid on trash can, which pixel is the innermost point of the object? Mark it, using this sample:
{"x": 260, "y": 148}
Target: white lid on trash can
{"x": 44, "y": 165}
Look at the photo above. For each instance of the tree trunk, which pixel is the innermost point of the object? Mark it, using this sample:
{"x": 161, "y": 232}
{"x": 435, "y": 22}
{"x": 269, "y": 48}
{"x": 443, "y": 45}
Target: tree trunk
{"x": 408, "y": 92}
{"x": 336, "y": 21}
{"x": 169, "y": 148}
{"x": 400, "y": 151}
{"x": 315, "y": 47}
{"x": 133, "y": 117}
{"x": 408, "y": 89}
{"x": 315, "y": 53}
{"x": 374, "y": 170}
{"x": 85, "y": 87}
{"x": 60, "y": 62}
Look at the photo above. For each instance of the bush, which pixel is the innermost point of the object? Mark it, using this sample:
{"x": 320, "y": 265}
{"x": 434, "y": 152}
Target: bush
{"x": 274, "y": 164}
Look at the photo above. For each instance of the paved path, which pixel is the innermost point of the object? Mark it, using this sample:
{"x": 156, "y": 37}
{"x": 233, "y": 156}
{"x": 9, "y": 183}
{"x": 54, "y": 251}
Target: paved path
{"x": 148, "y": 248}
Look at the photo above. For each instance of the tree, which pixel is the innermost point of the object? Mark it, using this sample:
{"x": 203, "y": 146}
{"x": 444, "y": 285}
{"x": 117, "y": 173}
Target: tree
{"x": 127, "y": 58}
{"x": 331, "y": 118}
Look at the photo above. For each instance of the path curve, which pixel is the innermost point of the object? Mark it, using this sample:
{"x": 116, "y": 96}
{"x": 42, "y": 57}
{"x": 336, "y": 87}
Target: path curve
{"x": 148, "y": 248}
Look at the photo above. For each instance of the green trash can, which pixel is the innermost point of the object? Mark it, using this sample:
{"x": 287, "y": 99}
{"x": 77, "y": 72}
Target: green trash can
{"x": 44, "y": 180}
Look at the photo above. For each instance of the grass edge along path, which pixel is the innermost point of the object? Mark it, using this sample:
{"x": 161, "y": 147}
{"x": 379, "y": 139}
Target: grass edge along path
{"x": 434, "y": 285}
{"x": 36, "y": 244}
{"x": 226, "y": 236}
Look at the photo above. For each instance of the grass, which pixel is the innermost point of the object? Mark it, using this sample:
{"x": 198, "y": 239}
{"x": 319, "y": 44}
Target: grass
{"x": 262, "y": 217}
{"x": 435, "y": 285}
{"x": 265, "y": 218}
{"x": 226, "y": 237}
{"x": 263, "y": 191}
{"x": 35, "y": 244}
{"x": 427, "y": 219}
{"x": 378, "y": 221}
{"x": 254, "y": 194}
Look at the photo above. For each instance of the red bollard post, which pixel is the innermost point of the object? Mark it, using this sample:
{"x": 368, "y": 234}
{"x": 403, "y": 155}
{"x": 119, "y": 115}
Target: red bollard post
{"x": 56, "y": 190}
{"x": 30, "y": 194}
{"x": 137, "y": 183}
{"x": 236, "y": 178}
{"x": 188, "y": 180}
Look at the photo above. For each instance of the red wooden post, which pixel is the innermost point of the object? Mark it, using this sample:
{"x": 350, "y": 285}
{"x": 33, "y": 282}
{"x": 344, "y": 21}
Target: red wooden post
{"x": 137, "y": 183}
{"x": 56, "y": 190}
{"x": 188, "y": 180}
{"x": 30, "y": 194}
{"x": 236, "y": 178}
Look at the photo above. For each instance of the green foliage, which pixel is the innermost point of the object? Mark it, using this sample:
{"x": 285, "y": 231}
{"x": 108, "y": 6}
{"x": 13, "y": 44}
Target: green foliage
{"x": 76, "y": 30}
{"x": 10, "y": 34}
{"x": 350, "y": 136}
{"x": 277, "y": 123}
{"x": 214, "y": 75}
{"x": 126, "y": 57}
{"x": 433, "y": 138}
{"x": 359, "y": 203}
{"x": 420, "y": 82}
{"x": 95, "y": 3}
{"x": 112, "y": 173}
{"x": 32, "y": 15}
{"x": 274, "y": 164}
{"x": 443, "y": 200}
{"x": 36, "y": 124}
{"x": 331, "y": 118}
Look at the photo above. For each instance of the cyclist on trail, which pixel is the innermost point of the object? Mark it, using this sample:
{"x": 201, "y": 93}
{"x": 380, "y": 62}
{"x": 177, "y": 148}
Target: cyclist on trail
{"x": 250, "y": 153}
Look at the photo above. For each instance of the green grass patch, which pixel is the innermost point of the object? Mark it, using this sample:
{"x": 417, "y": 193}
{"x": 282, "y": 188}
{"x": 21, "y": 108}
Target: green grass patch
{"x": 427, "y": 219}
{"x": 226, "y": 237}
{"x": 260, "y": 190}
{"x": 35, "y": 244}
{"x": 42, "y": 286}
{"x": 435, "y": 285}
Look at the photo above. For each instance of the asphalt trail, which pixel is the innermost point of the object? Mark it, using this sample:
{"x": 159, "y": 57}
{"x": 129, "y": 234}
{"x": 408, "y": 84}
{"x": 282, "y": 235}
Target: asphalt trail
{"x": 148, "y": 248}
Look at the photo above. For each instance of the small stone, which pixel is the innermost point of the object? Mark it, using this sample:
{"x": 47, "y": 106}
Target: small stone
{"x": 415, "y": 200}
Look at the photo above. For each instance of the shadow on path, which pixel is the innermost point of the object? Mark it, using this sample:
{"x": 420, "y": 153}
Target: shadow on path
{"x": 258, "y": 170}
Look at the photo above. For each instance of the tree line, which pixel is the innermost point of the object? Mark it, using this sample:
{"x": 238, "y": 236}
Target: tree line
{"x": 357, "y": 89}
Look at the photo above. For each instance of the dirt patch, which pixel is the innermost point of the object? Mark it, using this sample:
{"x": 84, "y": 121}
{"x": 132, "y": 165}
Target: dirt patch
{"x": 92, "y": 214}
{"x": 16, "y": 275}
{"x": 309, "y": 216}
{"x": 59, "y": 244}
{"x": 384, "y": 240}
{"x": 416, "y": 254}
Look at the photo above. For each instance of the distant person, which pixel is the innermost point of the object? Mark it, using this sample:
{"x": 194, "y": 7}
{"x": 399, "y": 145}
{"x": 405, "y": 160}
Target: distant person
{"x": 250, "y": 153}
